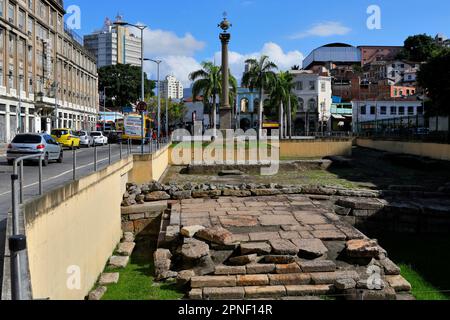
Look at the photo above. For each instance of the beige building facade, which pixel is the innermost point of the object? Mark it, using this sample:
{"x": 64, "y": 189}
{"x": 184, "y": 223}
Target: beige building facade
{"x": 47, "y": 78}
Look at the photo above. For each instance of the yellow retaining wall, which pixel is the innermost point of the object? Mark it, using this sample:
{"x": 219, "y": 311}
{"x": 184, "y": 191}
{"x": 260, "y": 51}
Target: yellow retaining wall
{"x": 75, "y": 228}
{"x": 430, "y": 150}
{"x": 149, "y": 167}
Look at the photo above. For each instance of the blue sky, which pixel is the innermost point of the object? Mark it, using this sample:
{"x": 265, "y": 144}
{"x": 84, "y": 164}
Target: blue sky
{"x": 184, "y": 33}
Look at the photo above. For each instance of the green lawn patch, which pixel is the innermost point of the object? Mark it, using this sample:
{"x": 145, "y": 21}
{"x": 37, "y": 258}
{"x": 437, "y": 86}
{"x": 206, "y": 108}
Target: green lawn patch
{"x": 136, "y": 282}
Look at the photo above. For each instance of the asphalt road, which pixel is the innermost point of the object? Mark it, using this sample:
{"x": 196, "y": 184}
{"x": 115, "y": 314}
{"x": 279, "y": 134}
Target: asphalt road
{"x": 54, "y": 175}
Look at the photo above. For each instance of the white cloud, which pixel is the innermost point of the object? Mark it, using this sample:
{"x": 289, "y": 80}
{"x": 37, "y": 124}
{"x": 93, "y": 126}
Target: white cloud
{"x": 179, "y": 66}
{"x": 324, "y": 29}
{"x": 284, "y": 60}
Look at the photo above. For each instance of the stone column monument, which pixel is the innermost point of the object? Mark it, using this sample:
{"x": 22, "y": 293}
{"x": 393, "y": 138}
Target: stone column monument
{"x": 225, "y": 108}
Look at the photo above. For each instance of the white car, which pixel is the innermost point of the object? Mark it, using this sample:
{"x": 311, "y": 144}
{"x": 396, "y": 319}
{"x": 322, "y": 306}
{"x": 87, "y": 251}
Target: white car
{"x": 86, "y": 140}
{"x": 99, "y": 138}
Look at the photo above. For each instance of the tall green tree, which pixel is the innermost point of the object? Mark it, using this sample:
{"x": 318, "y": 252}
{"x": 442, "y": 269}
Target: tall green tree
{"x": 434, "y": 76}
{"x": 177, "y": 110}
{"x": 208, "y": 84}
{"x": 259, "y": 76}
{"x": 123, "y": 84}
{"x": 419, "y": 48}
{"x": 281, "y": 95}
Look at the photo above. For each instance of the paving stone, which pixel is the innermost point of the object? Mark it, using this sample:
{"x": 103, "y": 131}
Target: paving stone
{"x": 194, "y": 250}
{"x": 229, "y": 293}
{"x": 287, "y": 268}
{"x": 329, "y": 235}
{"x": 368, "y": 295}
{"x": 264, "y": 236}
{"x": 290, "y": 235}
{"x": 318, "y": 266}
{"x": 296, "y": 228}
{"x": 204, "y": 266}
{"x": 351, "y": 232}
{"x": 216, "y": 235}
{"x": 236, "y": 193}
{"x": 323, "y": 278}
{"x": 269, "y": 292}
{"x": 390, "y": 268}
{"x": 311, "y": 218}
{"x": 196, "y": 294}
{"x": 230, "y": 270}
{"x": 156, "y": 196}
{"x": 398, "y": 283}
{"x": 238, "y": 221}
{"x": 277, "y": 220}
{"x": 118, "y": 261}
{"x": 238, "y": 238}
{"x": 125, "y": 248}
{"x": 184, "y": 277}
{"x": 265, "y": 192}
{"x": 348, "y": 274}
{"x": 252, "y": 280}
{"x": 261, "y": 248}
{"x": 309, "y": 290}
{"x": 289, "y": 279}
{"x": 244, "y": 260}
{"x": 128, "y": 237}
{"x": 284, "y": 247}
{"x": 364, "y": 248}
{"x": 97, "y": 294}
{"x": 213, "y": 281}
{"x": 108, "y": 278}
{"x": 190, "y": 231}
{"x": 172, "y": 233}
{"x": 256, "y": 268}
{"x": 220, "y": 256}
{"x": 310, "y": 248}
{"x": 345, "y": 284}
{"x": 277, "y": 259}
{"x": 361, "y": 203}
{"x": 325, "y": 227}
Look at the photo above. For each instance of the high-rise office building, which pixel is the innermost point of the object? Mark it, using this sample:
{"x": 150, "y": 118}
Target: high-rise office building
{"x": 114, "y": 45}
{"x": 47, "y": 78}
{"x": 171, "y": 88}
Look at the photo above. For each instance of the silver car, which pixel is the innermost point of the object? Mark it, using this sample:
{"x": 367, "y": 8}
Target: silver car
{"x": 99, "y": 138}
{"x": 34, "y": 144}
{"x": 85, "y": 139}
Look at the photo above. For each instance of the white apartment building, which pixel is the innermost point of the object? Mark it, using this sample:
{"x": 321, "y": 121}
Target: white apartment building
{"x": 114, "y": 44}
{"x": 370, "y": 110}
{"x": 171, "y": 88}
{"x": 314, "y": 101}
{"x": 47, "y": 78}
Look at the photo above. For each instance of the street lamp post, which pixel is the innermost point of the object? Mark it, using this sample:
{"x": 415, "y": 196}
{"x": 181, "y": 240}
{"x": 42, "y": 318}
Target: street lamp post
{"x": 158, "y": 81}
{"x": 142, "y": 28}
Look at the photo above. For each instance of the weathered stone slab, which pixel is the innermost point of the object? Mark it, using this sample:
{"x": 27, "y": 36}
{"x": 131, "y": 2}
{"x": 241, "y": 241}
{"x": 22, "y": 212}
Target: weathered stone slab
{"x": 213, "y": 281}
{"x": 236, "y": 193}
{"x": 361, "y": 203}
{"x": 264, "y": 236}
{"x": 108, "y": 278}
{"x": 196, "y": 294}
{"x": 220, "y": 256}
{"x": 269, "y": 292}
{"x": 125, "y": 248}
{"x": 97, "y": 294}
{"x": 364, "y": 248}
{"x": 230, "y": 293}
{"x": 184, "y": 277}
{"x": 305, "y": 290}
{"x": 256, "y": 268}
{"x": 157, "y": 207}
{"x": 252, "y": 280}
{"x": 345, "y": 284}
{"x": 238, "y": 221}
{"x": 156, "y": 196}
{"x": 217, "y": 235}
{"x": 284, "y": 247}
{"x": 244, "y": 260}
{"x": 194, "y": 250}
{"x": 230, "y": 270}
{"x": 398, "y": 283}
{"x": 310, "y": 248}
{"x": 318, "y": 266}
{"x": 206, "y": 194}
{"x": 323, "y": 278}
{"x": 204, "y": 266}
{"x": 289, "y": 279}
{"x": 310, "y": 217}
{"x": 277, "y": 220}
{"x": 279, "y": 259}
{"x": 287, "y": 268}
{"x": 265, "y": 192}
{"x": 118, "y": 261}
{"x": 261, "y": 248}
{"x": 390, "y": 268}
{"x": 128, "y": 237}
{"x": 329, "y": 235}
{"x": 190, "y": 231}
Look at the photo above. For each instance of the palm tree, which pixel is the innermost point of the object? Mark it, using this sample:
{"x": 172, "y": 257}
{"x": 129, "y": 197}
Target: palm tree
{"x": 208, "y": 83}
{"x": 260, "y": 75}
{"x": 281, "y": 95}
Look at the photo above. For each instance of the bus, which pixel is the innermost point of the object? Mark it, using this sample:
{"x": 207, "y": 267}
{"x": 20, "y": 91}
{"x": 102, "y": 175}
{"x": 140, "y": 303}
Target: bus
{"x": 132, "y": 127}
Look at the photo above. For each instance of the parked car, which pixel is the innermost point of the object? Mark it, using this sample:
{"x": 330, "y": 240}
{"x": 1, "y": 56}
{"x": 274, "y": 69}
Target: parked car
{"x": 66, "y": 138}
{"x": 34, "y": 144}
{"x": 99, "y": 138}
{"x": 85, "y": 139}
{"x": 114, "y": 136}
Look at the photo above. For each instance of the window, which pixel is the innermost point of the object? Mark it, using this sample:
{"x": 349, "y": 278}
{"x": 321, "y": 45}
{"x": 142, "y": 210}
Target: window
{"x": 11, "y": 13}
{"x": 30, "y": 25}
{"x": 393, "y": 111}
{"x": 410, "y": 111}
{"x": 420, "y": 110}
{"x": 2, "y": 4}
{"x": 323, "y": 86}
{"x": 312, "y": 105}
{"x": 301, "y": 104}
{"x": 299, "y": 86}
{"x": 383, "y": 111}
{"x": 22, "y": 20}
{"x": 372, "y": 110}
{"x": 312, "y": 85}
{"x": 401, "y": 111}
{"x": 363, "y": 110}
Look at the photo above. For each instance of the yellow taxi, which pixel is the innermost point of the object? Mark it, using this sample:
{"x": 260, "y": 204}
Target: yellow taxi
{"x": 66, "y": 138}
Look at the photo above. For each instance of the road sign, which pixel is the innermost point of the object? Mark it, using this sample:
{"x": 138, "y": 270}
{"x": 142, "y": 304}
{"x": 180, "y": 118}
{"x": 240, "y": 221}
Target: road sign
{"x": 141, "y": 107}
